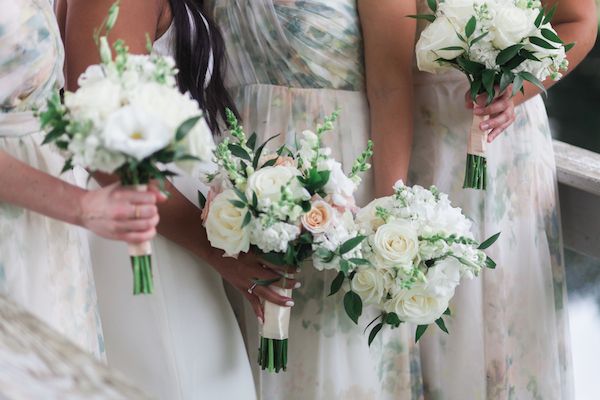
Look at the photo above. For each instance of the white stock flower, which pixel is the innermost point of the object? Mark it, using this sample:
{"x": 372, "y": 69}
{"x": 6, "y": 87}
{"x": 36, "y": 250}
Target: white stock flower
{"x": 438, "y": 35}
{"x": 396, "y": 244}
{"x": 224, "y": 225}
{"x": 429, "y": 250}
{"x": 443, "y": 277}
{"x": 339, "y": 186}
{"x": 135, "y": 133}
{"x": 370, "y": 284}
{"x": 417, "y": 305}
{"x": 94, "y": 101}
{"x": 274, "y": 238}
{"x": 511, "y": 24}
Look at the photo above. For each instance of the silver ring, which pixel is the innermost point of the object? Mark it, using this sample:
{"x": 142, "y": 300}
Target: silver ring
{"x": 251, "y": 289}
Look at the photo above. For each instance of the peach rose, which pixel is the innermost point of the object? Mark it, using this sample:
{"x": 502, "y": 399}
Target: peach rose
{"x": 318, "y": 219}
{"x": 210, "y": 197}
{"x": 282, "y": 161}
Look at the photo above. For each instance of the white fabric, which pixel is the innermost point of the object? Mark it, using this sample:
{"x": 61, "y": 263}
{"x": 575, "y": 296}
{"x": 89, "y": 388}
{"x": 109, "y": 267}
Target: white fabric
{"x": 182, "y": 342}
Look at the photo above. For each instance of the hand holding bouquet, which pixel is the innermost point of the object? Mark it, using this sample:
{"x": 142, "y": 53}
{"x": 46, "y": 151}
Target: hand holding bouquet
{"x": 284, "y": 206}
{"x": 128, "y": 118}
{"x": 496, "y": 44}
{"x": 417, "y": 249}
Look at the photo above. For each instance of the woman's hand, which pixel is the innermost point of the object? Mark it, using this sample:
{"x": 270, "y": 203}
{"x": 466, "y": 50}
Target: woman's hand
{"x": 501, "y": 112}
{"x": 120, "y": 213}
{"x": 248, "y": 268}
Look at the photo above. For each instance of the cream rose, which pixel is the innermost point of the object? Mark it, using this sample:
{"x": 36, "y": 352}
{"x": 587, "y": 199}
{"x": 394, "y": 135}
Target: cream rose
{"x": 370, "y": 285}
{"x": 224, "y": 225}
{"x": 440, "y": 34}
{"x": 319, "y": 218}
{"x": 396, "y": 244}
{"x": 417, "y": 305}
{"x": 268, "y": 181}
{"x": 511, "y": 25}
{"x": 458, "y": 12}
{"x": 367, "y": 218}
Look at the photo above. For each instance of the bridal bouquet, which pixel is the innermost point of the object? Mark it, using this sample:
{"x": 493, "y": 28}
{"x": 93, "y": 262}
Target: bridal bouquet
{"x": 127, "y": 118}
{"x": 495, "y": 43}
{"x": 284, "y": 206}
{"x": 418, "y": 248}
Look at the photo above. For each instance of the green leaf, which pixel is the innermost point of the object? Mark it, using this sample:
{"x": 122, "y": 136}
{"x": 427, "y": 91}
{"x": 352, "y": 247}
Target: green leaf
{"x": 185, "y": 128}
{"x": 274, "y": 258}
{"x": 440, "y": 323}
{"x": 345, "y": 266}
{"x": 359, "y": 261}
{"x": 475, "y": 87}
{"x": 254, "y": 199}
{"x": 469, "y": 66}
{"x": 488, "y": 77}
{"x": 350, "y": 244}
{"x": 337, "y": 283}
{"x": 239, "y": 151}
{"x": 517, "y": 85}
{"x": 470, "y": 27}
{"x": 489, "y": 263}
{"x": 432, "y": 5}
{"x": 550, "y": 14}
{"x": 514, "y": 63}
{"x": 528, "y": 55}
{"x": 541, "y": 43}
{"x": 247, "y": 219}
{"x": 201, "y": 199}
{"x": 353, "y": 306}
{"x": 393, "y": 319}
{"x": 489, "y": 241}
{"x": 376, "y": 329}
{"x": 68, "y": 166}
{"x": 325, "y": 255}
{"x": 259, "y": 152}
{"x": 187, "y": 157}
{"x": 506, "y": 79}
{"x": 448, "y": 312}
{"x": 551, "y": 36}
{"x": 420, "y": 331}
{"x": 251, "y": 143}
{"x": 270, "y": 163}
{"x": 53, "y": 135}
{"x": 240, "y": 194}
{"x": 569, "y": 46}
{"x": 451, "y": 48}
{"x": 529, "y": 77}
{"x": 478, "y": 38}
{"x": 508, "y": 54}
{"x": 426, "y": 17}
{"x": 266, "y": 282}
{"x": 539, "y": 19}
{"x": 238, "y": 203}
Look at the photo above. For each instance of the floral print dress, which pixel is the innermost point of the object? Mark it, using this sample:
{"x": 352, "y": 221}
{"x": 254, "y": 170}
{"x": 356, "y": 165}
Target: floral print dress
{"x": 44, "y": 264}
{"x": 509, "y": 334}
{"x": 290, "y": 64}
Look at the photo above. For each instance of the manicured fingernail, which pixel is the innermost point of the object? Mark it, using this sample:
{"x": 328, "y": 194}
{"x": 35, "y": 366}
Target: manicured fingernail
{"x": 260, "y": 321}
{"x": 485, "y": 126}
{"x": 289, "y": 304}
{"x": 297, "y": 285}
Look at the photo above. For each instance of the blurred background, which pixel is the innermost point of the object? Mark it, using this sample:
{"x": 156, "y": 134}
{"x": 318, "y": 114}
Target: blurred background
{"x": 574, "y": 110}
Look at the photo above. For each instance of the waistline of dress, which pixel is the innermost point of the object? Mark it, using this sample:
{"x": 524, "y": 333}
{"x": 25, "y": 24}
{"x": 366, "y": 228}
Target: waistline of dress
{"x": 18, "y": 124}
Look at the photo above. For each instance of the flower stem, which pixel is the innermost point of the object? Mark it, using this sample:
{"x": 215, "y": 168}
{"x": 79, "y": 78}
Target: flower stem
{"x": 475, "y": 174}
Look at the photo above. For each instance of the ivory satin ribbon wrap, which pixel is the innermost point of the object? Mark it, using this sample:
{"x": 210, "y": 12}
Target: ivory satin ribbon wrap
{"x": 277, "y": 318}
{"x": 477, "y": 142}
{"x": 145, "y": 248}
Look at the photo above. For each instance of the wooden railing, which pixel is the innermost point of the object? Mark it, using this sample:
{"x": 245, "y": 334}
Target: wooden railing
{"x": 579, "y": 179}
{"x": 36, "y": 362}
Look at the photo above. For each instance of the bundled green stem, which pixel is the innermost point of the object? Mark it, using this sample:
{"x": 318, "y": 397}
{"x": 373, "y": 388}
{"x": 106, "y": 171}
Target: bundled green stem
{"x": 272, "y": 354}
{"x": 476, "y": 171}
{"x": 142, "y": 274}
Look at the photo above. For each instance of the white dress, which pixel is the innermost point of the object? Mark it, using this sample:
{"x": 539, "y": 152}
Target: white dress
{"x": 181, "y": 342}
{"x": 44, "y": 263}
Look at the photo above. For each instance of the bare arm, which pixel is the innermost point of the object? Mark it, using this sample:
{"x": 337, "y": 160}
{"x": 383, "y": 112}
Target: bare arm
{"x": 109, "y": 212}
{"x": 180, "y": 219}
{"x": 389, "y": 39}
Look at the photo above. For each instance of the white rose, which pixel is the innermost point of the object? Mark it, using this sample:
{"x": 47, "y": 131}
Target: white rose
{"x": 224, "y": 225}
{"x": 429, "y": 250}
{"x": 396, "y": 243}
{"x": 417, "y": 305}
{"x": 511, "y": 24}
{"x": 440, "y": 34}
{"x": 268, "y": 181}
{"x": 367, "y": 218}
{"x": 370, "y": 285}
{"x": 443, "y": 277}
{"x": 135, "y": 133}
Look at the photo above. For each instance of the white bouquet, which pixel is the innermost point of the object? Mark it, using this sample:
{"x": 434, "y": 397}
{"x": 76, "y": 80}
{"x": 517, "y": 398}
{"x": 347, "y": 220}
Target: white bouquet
{"x": 418, "y": 248}
{"x": 284, "y": 206}
{"x": 127, "y": 118}
{"x": 495, "y": 43}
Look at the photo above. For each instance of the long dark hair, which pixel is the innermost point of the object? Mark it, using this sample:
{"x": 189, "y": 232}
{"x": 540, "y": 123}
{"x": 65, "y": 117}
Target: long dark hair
{"x": 192, "y": 56}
